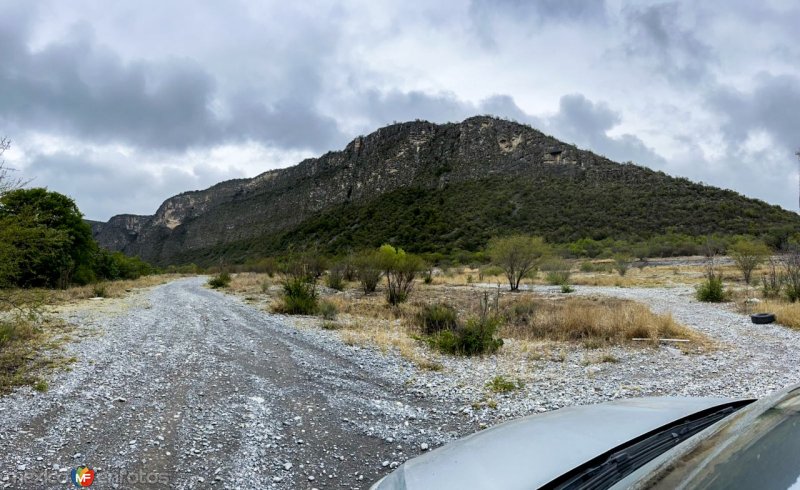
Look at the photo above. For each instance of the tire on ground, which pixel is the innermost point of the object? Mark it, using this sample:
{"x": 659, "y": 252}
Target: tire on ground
{"x": 762, "y": 318}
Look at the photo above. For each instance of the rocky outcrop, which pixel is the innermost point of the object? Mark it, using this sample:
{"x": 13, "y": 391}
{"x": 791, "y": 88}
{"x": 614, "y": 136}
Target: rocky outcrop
{"x": 559, "y": 191}
{"x": 415, "y": 153}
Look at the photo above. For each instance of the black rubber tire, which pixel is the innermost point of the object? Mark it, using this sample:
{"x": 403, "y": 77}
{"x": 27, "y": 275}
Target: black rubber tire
{"x": 762, "y": 318}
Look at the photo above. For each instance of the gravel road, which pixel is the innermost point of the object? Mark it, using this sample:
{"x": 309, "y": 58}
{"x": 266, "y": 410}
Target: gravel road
{"x": 190, "y": 388}
{"x": 180, "y": 386}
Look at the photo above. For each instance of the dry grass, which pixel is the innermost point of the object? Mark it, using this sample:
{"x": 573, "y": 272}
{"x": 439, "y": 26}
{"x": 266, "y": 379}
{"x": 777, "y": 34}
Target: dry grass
{"x": 112, "y": 289}
{"x": 29, "y": 347}
{"x": 550, "y": 330}
{"x": 787, "y": 314}
{"x": 597, "y": 321}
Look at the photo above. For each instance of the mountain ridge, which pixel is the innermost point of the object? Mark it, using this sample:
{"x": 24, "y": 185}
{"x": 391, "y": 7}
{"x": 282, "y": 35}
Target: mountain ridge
{"x": 411, "y": 155}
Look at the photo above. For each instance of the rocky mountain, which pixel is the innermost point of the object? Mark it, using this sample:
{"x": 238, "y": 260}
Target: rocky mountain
{"x": 433, "y": 187}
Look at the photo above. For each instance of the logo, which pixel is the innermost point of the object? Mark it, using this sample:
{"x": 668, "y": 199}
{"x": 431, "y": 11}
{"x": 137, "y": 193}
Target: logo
{"x": 82, "y": 476}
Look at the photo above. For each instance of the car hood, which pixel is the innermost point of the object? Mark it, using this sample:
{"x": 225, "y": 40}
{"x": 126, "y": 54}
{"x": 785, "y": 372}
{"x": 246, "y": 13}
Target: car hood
{"x": 532, "y": 451}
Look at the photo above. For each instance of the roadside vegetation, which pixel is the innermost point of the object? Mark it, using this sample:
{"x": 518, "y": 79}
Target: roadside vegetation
{"x": 47, "y": 258}
{"x": 440, "y": 317}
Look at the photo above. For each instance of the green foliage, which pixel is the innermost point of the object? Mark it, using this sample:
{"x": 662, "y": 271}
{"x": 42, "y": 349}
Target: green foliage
{"x": 221, "y": 280}
{"x": 476, "y": 337}
{"x": 748, "y": 255}
{"x": 772, "y": 281}
{"x": 44, "y": 242}
{"x": 400, "y": 269}
{"x": 335, "y": 278}
{"x": 499, "y": 384}
{"x": 622, "y": 263}
{"x": 437, "y": 317}
{"x": 517, "y": 255}
{"x": 595, "y": 211}
{"x": 566, "y": 289}
{"x": 46, "y": 236}
{"x": 711, "y": 290}
{"x": 368, "y": 270}
{"x": 116, "y": 265}
{"x": 327, "y": 310}
{"x": 791, "y": 274}
{"x": 299, "y": 297}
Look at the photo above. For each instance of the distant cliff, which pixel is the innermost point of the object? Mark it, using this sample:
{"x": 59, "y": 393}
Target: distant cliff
{"x": 245, "y": 217}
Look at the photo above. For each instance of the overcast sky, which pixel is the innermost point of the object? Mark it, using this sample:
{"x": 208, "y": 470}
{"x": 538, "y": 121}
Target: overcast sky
{"x": 123, "y": 104}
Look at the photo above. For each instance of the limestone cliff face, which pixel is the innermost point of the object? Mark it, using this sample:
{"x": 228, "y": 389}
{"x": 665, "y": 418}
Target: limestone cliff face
{"x": 417, "y": 153}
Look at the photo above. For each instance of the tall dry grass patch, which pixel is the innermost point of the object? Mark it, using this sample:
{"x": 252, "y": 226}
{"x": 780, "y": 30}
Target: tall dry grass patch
{"x": 111, "y": 289}
{"x": 787, "y": 314}
{"x": 597, "y": 321}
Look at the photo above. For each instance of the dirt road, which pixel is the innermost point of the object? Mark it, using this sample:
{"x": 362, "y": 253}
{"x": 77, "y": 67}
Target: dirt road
{"x": 190, "y": 388}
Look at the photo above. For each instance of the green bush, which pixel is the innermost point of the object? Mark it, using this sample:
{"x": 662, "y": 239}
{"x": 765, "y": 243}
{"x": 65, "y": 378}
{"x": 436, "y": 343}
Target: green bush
{"x": 221, "y": 280}
{"x": 557, "y": 272}
{"x": 400, "y": 269}
{"x": 566, "y": 289}
{"x": 437, "y": 317}
{"x": 558, "y": 278}
{"x": 622, "y": 263}
{"x": 792, "y": 293}
{"x": 327, "y": 310}
{"x": 299, "y": 297}
{"x": 711, "y": 290}
{"x": 335, "y": 278}
{"x": 499, "y": 384}
{"x": 368, "y": 271}
{"x": 476, "y": 337}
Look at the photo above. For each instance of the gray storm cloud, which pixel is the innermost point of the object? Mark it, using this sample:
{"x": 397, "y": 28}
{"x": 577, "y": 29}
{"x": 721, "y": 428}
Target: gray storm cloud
{"x": 162, "y": 97}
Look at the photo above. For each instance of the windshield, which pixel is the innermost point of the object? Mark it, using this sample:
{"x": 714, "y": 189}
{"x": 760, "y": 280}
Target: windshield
{"x": 765, "y": 455}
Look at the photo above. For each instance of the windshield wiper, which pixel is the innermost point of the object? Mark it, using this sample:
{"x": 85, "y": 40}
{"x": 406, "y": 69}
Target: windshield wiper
{"x": 607, "y": 469}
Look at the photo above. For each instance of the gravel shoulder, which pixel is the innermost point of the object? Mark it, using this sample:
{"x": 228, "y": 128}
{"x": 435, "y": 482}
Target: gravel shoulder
{"x": 183, "y": 387}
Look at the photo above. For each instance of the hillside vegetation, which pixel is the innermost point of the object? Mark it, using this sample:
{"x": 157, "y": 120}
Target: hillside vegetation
{"x": 464, "y": 216}
{"x": 438, "y": 189}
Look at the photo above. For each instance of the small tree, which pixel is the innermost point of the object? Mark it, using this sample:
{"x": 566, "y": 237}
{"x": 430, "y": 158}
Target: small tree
{"x": 400, "y": 270}
{"x": 368, "y": 270}
{"x": 711, "y": 289}
{"x": 791, "y": 275}
{"x": 622, "y": 263}
{"x": 772, "y": 280}
{"x": 517, "y": 255}
{"x": 748, "y": 255}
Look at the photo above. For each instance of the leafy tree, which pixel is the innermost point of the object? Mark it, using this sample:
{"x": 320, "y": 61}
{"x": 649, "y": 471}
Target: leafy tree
{"x": 517, "y": 255}
{"x": 400, "y": 270}
{"x": 748, "y": 254}
{"x": 45, "y": 232}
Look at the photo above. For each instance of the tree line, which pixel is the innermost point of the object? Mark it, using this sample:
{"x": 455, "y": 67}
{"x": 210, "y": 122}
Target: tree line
{"x": 44, "y": 242}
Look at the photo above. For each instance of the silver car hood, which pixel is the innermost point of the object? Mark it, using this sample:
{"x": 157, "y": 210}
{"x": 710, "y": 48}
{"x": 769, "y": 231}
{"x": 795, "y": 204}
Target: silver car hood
{"x": 532, "y": 451}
